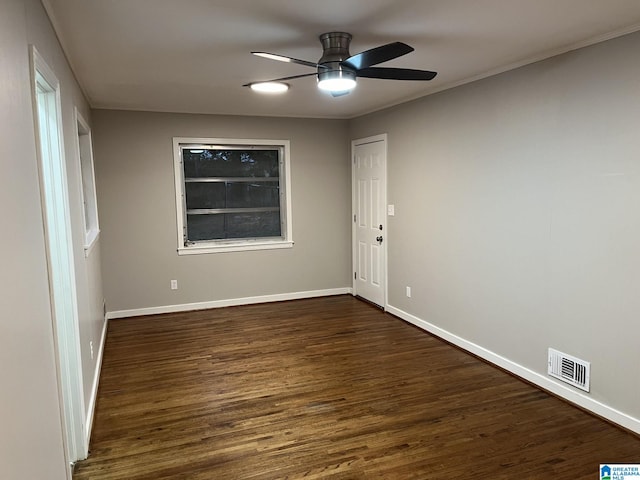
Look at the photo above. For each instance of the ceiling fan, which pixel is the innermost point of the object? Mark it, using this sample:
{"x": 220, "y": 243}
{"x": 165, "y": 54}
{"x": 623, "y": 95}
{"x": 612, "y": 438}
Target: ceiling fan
{"x": 337, "y": 69}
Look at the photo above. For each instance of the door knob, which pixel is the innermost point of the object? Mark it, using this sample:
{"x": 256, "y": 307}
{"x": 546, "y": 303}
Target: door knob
{"x": 379, "y": 239}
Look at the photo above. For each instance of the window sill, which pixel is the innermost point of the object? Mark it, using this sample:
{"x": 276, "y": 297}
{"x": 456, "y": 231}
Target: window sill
{"x": 233, "y": 247}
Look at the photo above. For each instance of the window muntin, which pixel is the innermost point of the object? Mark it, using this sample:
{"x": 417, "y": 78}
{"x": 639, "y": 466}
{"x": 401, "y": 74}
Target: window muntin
{"x": 233, "y": 194}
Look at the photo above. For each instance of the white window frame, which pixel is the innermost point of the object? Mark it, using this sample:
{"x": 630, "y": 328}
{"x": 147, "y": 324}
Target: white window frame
{"x": 233, "y": 245}
{"x": 84, "y": 152}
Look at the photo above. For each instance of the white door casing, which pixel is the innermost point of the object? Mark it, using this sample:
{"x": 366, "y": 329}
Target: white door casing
{"x": 369, "y": 197}
{"x": 60, "y": 262}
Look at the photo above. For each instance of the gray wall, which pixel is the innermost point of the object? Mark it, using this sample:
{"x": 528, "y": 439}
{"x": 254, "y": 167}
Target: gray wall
{"x": 517, "y": 212}
{"x": 136, "y": 197}
{"x": 31, "y": 436}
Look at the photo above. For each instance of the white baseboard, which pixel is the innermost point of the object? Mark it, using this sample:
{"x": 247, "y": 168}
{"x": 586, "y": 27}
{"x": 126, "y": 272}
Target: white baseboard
{"x": 185, "y": 307}
{"x": 96, "y": 380}
{"x": 575, "y": 397}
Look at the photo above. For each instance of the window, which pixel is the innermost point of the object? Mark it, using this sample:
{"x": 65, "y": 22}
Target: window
{"x": 87, "y": 175}
{"x": 232, "y": 194}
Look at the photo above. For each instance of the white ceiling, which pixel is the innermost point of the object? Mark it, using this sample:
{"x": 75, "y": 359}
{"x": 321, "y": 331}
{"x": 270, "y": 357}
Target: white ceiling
{"x": 193, "y": 55}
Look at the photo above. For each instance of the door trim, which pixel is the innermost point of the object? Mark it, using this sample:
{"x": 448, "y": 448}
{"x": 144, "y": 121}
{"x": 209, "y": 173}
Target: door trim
{"x": 354, "y": 143}
{"x": 54, "y": 197}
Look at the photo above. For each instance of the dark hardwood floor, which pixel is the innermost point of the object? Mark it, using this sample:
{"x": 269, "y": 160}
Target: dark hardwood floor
{"x": 325, "y": 388}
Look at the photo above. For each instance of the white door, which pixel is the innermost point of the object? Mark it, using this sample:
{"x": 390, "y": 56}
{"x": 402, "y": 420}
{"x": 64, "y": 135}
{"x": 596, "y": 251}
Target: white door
{"x": 369, "y": 218}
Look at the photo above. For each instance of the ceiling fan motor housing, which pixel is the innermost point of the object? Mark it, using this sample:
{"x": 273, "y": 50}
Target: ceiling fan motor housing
{"x": 335, "y": 49}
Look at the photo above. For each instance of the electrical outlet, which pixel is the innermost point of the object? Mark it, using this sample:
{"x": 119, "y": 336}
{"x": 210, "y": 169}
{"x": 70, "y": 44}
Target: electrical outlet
{"x": 174, "y": 284}
{"x": 91, "y": 348}
{"x": 409, "y": 292}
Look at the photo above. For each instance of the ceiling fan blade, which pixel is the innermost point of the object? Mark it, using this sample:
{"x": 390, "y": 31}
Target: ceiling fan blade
{"x": 280, "y": 79}
{"x": 282, "y": 58}
{"x": 396, "y": 73}
{"x": 377, "y": 55}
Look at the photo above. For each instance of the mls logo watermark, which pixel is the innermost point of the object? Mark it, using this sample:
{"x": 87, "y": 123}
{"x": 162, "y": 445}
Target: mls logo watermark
{"x": 620, "y": 472}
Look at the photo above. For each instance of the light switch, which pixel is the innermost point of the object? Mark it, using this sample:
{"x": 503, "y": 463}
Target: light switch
{"x": 391, "y": 210}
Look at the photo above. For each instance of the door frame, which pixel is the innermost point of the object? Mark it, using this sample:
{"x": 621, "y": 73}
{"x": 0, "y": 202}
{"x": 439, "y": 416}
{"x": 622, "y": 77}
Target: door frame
{"x": 56, "y": 218}
{"x": 354, "y": 143}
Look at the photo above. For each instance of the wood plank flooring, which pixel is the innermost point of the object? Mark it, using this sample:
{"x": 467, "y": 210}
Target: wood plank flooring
{"x": 328, "y": 388}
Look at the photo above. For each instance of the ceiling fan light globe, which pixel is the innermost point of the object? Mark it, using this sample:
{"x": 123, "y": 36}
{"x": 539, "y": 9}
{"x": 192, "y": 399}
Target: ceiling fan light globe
{"x": 270, "y": 87}
{"x": 337, "y": 84}
{"x": 337, "y": 79}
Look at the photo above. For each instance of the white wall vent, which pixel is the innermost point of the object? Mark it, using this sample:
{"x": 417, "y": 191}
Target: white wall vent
{"x": 569, "y": 369}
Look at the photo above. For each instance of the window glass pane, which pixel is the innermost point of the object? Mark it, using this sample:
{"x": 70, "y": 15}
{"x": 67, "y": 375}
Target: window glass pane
{"x": 230, "y": 163}
{"x": 233, "y": 225}
{"x": 251, "y": 225}
{"x": 205, "y": 195}
{"x": 247, "y": 195}
{"x": 205, "y": 227}
{"x": 232, "y": 194}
